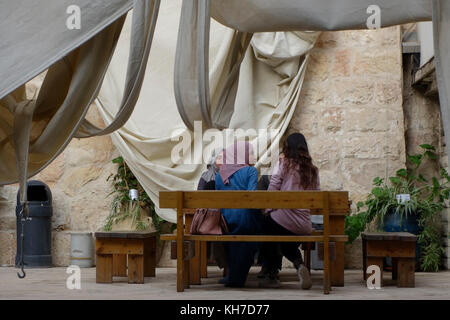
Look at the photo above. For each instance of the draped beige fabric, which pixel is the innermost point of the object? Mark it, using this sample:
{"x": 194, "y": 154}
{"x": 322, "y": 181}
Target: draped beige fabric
{"x": 268, "y": 88}
{"x": 34, "y": 132}
{"x": 282, "y": 15}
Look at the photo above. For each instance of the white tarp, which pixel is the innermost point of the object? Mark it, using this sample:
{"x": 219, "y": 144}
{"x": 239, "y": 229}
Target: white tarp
{"x": 269, "y": 87}
{"x": 34, "y": 34}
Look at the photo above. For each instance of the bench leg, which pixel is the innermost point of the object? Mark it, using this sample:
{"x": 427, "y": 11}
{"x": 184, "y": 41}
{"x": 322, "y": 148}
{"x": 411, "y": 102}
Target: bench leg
{"x": 337, "y": 266}
{"x": 150, "y": 257}
{"x": 394, "y": 268}
{"x": 308, "y": 258}
{"x": 364, "y": 259}
{"x": 405, "y": 272}
{"x": 135, "y": 268}
{"x": 204, "y": 259}
{"x": 186, "y": 270}
{"x": 378, "y": 261}
{"x": 104, "y": 268}
{"x": 195, "y": 265}
{"x": 120, "y": 265}
{"x": 326, "y": 269}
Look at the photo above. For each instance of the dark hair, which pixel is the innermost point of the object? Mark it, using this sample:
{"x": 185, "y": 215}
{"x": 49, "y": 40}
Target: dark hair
{"x": 296, "y": 154}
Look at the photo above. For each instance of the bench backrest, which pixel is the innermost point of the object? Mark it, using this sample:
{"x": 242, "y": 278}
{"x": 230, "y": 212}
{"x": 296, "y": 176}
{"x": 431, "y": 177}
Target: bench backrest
{"x": 337, "y": 204}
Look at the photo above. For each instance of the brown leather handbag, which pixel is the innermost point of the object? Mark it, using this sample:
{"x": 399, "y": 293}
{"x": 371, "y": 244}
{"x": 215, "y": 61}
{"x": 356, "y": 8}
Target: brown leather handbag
{"x": 208, "y": 221}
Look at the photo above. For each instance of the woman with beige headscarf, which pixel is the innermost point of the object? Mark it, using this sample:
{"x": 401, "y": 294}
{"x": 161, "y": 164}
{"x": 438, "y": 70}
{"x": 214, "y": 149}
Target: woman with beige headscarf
{"x": 237, "y": 173}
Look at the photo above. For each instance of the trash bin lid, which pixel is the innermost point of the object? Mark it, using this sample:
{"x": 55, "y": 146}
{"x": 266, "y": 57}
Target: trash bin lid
{"x": 37, "y": 191}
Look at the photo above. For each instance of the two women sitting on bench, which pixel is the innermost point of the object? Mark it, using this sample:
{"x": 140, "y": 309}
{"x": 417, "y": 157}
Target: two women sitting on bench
{"x": 294, "y": 171}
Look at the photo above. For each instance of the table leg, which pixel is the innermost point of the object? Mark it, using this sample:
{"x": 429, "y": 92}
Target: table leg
{"x": 120, "y": 265}
{"x": 337, "y": 226}
{"x": 186, "y": 270}
{"x": 104, "y": 268}
{"x": 135, "y": 268}
{"x": 195, "y": 265}
{"x": 394, "y": 268}
{"x": 150, "y": 257}
{"x": 364, "y": 259}
{"x": 204, "y": 259}
{"x": 405, "y": 272}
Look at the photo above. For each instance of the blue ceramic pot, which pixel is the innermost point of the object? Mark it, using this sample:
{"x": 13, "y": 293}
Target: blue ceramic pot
{"x": 394, "y": 222}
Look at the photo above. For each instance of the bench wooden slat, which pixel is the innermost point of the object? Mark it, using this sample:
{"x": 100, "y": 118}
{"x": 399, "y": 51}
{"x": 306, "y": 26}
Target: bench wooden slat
{"x": 125, "y": 234}
{"x": 255, "y": 238}
{"x": 257, "y": 199}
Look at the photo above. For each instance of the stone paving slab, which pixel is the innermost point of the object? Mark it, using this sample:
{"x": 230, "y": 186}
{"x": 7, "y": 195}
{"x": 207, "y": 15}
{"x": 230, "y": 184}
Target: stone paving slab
{"x": 51, "y": 284}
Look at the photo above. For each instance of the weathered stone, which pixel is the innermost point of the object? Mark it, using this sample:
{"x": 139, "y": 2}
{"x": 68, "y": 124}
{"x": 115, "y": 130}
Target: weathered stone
{"x": 357, "y": 91}
{"x": 373, "y": 146}
{"x": 327, "y": 40}
{"x": 379, "y": 63}
{"x": 95, "y": 150}
{"x": 330, "y": 180}
{"x": 61, "y": 209}
{"x": 3, "y": 195}
{"x": 315, "y": 93}
{"x": 373, "y": 119}
{"x": 332, "y": 119}
{"x": 353, "y": 255}
{"x": 54, "y": 171}
{"x": 8, "y": 223}
{"x": 388, "y": 92}
{"x": 79, "y": 178}
{"x": 319, "y": 66}
{"x": 341, "y": 65}
{"x": 60, "y": 249}
{"x": 165, "y": 260}
{"x": 6, "y": 246}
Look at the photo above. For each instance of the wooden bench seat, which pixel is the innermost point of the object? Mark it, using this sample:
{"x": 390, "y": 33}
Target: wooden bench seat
{"x": 333, "y": 205}
{"x": 255, "y": 238}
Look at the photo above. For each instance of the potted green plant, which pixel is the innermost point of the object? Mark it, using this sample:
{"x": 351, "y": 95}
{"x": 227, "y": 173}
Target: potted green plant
{"x": 131, "y": 208}
{"x": 407, "y": 202}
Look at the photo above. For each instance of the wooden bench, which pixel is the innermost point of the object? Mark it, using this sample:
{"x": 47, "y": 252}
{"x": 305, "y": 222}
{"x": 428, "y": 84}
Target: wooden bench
{"x": 333, "y": 205}
{"x": 116, "y": 249}
{"x": 400, "y": 246}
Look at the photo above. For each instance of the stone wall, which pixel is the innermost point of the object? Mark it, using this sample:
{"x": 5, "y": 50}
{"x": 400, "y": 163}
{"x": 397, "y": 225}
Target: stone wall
{"x": 423, "y": 124}
{"x": 350, "y": 110}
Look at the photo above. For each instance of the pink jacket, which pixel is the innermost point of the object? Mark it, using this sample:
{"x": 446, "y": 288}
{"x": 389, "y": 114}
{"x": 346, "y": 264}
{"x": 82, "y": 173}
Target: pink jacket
{"x": 297, "y": 221}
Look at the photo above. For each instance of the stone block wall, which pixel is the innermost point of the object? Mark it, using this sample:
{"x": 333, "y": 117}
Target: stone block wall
{"x": 351, "y": 112}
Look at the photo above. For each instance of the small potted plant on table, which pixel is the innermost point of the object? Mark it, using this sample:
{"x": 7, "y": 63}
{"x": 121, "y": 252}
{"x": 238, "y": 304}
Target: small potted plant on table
{"x": 132, "y": 208}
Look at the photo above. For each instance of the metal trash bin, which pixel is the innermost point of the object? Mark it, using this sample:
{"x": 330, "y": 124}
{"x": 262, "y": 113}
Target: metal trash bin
{"x": 82, "y": 249}
{"x": 37, "y": 229}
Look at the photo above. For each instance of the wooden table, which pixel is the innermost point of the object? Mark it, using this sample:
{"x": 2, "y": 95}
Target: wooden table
{"x": 400, "y": 246}
{"x": 125, "y": 253}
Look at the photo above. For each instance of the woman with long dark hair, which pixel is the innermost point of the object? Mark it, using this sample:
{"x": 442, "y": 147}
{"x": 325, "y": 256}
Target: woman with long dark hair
{"x": 294, "y": 171}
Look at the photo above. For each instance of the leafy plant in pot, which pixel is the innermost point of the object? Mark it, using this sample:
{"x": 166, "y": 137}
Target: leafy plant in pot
{"x": 131, "y": 207}
{"x": 407, "y": 202}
